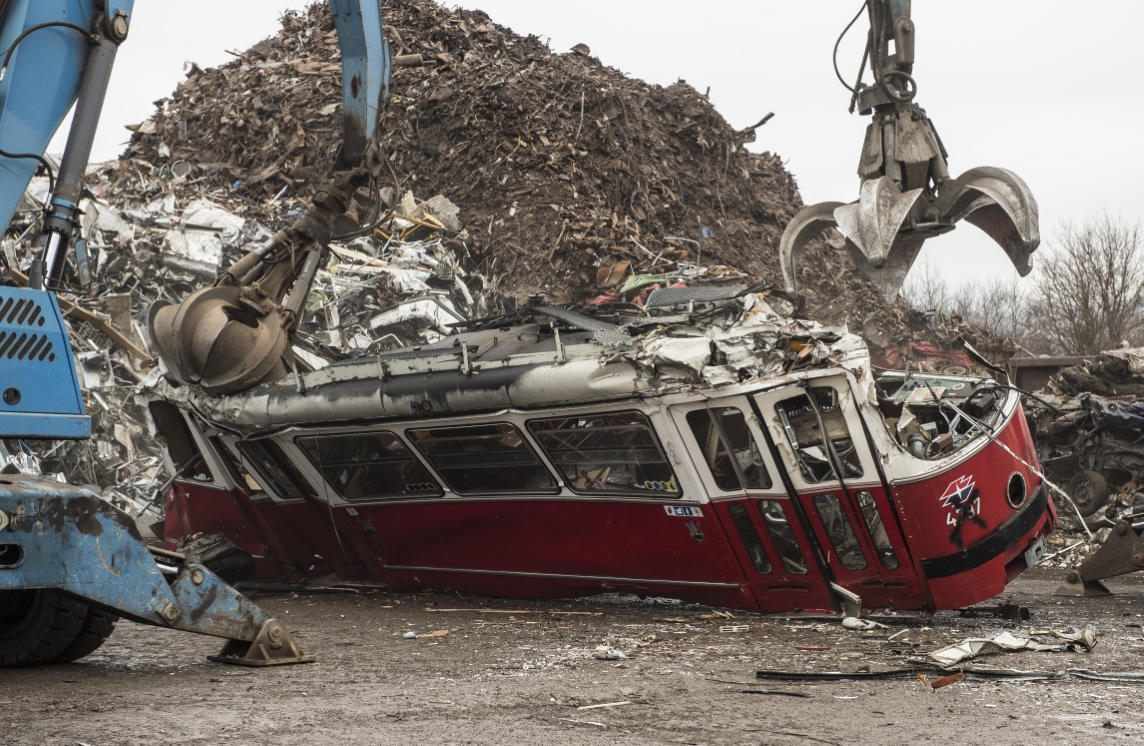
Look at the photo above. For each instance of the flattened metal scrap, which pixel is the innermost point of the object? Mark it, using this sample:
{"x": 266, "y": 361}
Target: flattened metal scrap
{"x": 679, "y": 296}
{"x": 577, "y": 319}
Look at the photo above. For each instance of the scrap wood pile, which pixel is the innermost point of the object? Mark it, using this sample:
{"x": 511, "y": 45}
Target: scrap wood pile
{"x": 568, "y": 174}
{"x": 545, "y": 172}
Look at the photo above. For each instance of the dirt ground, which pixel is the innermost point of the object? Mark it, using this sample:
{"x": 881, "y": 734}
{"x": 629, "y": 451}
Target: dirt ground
{"x": 523, "y": 678}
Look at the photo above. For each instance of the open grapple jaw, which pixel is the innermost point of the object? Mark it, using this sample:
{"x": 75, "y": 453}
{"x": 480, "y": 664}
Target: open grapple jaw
{"x": 906, "y": 195}
{"x": 237, "y": 333}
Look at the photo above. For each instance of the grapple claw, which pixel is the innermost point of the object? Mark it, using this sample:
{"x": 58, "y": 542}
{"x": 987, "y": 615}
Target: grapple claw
{"x": 873, "y": 222}
{"x": 886, "y": 228}
{"x": 805, "y": 226}
{"x": 888, "y": 278}
{"x": 907, "y": 196}
{"x": 1006, "y": 211}
{"x": 214, "y": 340}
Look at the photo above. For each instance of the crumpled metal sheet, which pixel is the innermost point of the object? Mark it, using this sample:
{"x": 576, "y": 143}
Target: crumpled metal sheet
{"x": 1122, "y": 415}
{"x": 751, "y": 347}
{"x": 1006, "y": 642}
{"x": 1134, "y": 357}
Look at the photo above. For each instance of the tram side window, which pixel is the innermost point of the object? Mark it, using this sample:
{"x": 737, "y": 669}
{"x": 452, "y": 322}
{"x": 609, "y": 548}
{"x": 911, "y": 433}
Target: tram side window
{"x": 276, "y": 470}
{"x": 774, "y": 518}
{"x": 614, "y": 453}
{"x": 877, "y": 529}
{"x": 750, "y": 537}
{"x": 369, "y": 465}
{"x": 238, "y": 472}
{"x": 729, "y": 449}
{"x": 800, "y": 422}
{"x": 181, "y": 445}
{"x": 841, "y": 533}
{"x": 483, "y": 459}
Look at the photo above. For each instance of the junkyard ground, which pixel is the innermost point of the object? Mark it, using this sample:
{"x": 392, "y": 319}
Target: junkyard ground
{"x": 521, "y": 678}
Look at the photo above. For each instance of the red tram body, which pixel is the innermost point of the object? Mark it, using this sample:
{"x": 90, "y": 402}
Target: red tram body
{"x": 558, "y": 474}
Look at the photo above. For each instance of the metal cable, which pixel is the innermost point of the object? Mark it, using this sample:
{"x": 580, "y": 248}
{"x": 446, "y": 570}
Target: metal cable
{"x": 838, "y": 43}
{"x": 43, "y": 162}
{"x": 91, "y": 38}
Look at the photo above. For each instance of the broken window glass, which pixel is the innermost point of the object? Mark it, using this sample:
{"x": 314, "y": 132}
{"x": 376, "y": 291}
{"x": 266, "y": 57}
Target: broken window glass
{"x": 484, "y": 459}
{"x": 729, "y": 449}
{"x": 841, "y": 533}
{"x": 750, "y": 537}
{"x": 181, "y": 446}
{"x": 877, "y": 529}
{"x": 238, "y": 472}
{"x": 606, "y": 454}
{"x": 801, "y": 424}
{"x": 369, "y": 465}
{"x": 268, "y": 459}
{"x": 774, "y": 518}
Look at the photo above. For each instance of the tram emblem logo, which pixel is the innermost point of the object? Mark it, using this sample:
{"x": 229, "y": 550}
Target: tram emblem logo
{"x": 961, "y": 497}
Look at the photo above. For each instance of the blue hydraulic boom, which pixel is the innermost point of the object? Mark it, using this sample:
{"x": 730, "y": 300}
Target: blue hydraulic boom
{"x": 71, "y": 563}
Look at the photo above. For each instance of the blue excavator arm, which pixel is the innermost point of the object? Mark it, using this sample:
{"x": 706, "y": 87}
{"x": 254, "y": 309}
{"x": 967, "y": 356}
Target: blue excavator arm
{"x": 42, "y": 80}
{"x": 61, "y": 545}
{"x": 49, "y": 68}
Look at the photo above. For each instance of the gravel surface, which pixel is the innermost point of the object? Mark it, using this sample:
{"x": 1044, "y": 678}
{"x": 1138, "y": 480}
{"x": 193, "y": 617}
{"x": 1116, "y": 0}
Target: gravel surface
{"x": 524, "y": 677}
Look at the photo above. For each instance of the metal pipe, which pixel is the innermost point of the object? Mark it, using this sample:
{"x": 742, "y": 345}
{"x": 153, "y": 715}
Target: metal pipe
{"x": 301, "y": 290}
{"x": 63, "y": 207}
{"x": 87, "y": 111}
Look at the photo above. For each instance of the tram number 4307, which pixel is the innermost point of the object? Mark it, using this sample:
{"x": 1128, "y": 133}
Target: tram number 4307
{"x": 963, "y": 500}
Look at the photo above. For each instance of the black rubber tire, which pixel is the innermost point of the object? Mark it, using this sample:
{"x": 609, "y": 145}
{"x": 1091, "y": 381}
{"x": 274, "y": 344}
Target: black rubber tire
{"x": 36, "y": 626}
{"x": 96, "y": 628}
{"x": 1089, "y": 490}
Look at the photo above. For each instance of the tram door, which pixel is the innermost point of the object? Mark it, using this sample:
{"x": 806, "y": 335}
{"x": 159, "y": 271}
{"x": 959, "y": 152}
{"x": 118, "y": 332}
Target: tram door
{"x": 851, "y": 515}
{"x": 748, "y": 496}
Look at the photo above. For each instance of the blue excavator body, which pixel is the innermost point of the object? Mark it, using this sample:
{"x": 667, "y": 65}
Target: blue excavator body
{"x": 66, "y": 554}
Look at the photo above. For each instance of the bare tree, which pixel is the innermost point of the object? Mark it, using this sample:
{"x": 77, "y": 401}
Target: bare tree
{"x": 1089, "y": 290}
{"x": 926, "y": 288}
{"x": 1000, "y": 306}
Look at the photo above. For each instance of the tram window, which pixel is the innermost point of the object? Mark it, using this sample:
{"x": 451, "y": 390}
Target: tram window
{"x": 276, "y": 469}
{"x": 877, "y": 529}
{"x": 614, "y": 453}
{"x": 238, "y": 472}
{"x": 774, "y": 518}
{"x": 181, "y": 445}
{"x": 800, "y": 423}
{"x": 484, "y": 459}
{"x": 369, "y": 465}
{"x": 729, "y": 449}
{"x": 841, "y": 533}
{"x": 750, "y": 537}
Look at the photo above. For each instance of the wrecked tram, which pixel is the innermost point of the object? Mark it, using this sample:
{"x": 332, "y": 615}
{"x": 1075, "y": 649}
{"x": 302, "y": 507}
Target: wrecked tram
{"x": 706, "y": 448}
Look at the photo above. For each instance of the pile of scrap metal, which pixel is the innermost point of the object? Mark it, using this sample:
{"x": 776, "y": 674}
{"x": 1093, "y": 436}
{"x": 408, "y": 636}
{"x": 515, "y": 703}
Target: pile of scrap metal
{"x": 1089, "y": 426}
{"x": 685, "y": 338}
{"x": 401, "y": 283}
{"x": 1090, "y": 431}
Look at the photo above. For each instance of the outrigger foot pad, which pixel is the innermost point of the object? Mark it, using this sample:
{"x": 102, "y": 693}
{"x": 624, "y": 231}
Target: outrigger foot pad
{"x": 1075, "y": 587}
{"x": 1121, "y": 553}
{"x": 274, "y": 646}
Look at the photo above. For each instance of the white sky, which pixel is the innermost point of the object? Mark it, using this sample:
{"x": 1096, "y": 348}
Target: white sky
{"x": 1046, "y": 88}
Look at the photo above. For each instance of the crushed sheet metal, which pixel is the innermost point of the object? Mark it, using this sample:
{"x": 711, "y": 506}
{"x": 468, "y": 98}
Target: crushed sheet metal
{"x": 1007, "y": 642}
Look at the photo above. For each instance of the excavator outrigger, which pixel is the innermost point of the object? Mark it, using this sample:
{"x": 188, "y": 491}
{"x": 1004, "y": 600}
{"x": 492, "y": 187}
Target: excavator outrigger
{"x": 71, "y": 563}
{"x": 906, "y": 194}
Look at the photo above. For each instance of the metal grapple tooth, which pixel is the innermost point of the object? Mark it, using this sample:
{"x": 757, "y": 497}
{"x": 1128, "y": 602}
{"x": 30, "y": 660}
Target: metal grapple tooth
{"x": 872, "y": 223}
{"x": 1005, "y": 210}
{"x": 805, "y": 226}
{"x": 891, "y": 275}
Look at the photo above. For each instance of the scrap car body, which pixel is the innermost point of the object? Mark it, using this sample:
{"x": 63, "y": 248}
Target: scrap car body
{"x": 564, "y": 455}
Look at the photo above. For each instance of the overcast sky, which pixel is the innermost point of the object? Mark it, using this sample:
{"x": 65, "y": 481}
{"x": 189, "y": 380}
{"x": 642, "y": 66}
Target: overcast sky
{"x": 1045, "y": 88}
